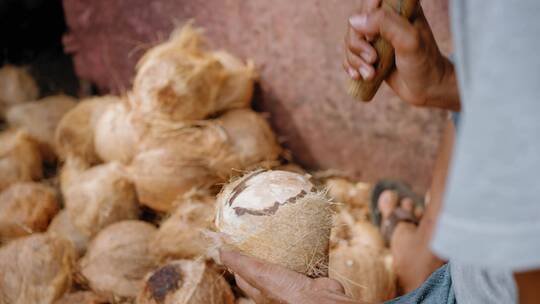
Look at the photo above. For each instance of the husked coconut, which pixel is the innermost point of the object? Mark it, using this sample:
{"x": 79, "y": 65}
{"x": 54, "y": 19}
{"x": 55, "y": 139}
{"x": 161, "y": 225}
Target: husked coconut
{"x": 26, "y": 208}
{"x": 238, "y": 86}
{"x": 366, "y": 274}
{"x": 185, "y": 282}
{"x": 80, "y": 297}
{"x": 175, "y": 161}
{"x": 40, "y": 118}
{"x": 20, "y": 160}
{"x": 279, "y": 217}
{"x": 98, "y": 196}
{"x": 354, "y": 194}
{"x": 16, "y": 85}
{"x": 244, "y": 301}
{"x": 348, "y": 230}
{"x": 62, "y": 226}
{"x": 35, "y": 269}
{"x": 74, "y": 134}
{"x": 180, "y": 235}
{"x": 117, "y": 260}
{"x": 115, "y": 137}
{"x": 251, "y": 137}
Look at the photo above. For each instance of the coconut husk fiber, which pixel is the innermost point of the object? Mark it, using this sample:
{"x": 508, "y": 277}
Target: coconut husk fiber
{"x": 74, "y": 136}
{"x": 35, "y": 269}
{"x": 117, "y": 260}
{"x": 26, "y": 208}
{"x": 20, "y": 159}
{"x": 97, "y": 197}
{"x": 352, "y": 231}
{"x": 40, "y": 118}
{"x": 62, "y": 226}
{"x": 356, "y": 195}
{"x": 180, "y": 235}
{"x": 185, "y": 282}
{"x": 16, "y": 85}
{"x": 279, "y": 217}
{"x": 80, "y": 297}
{"x": 179, "y": 80}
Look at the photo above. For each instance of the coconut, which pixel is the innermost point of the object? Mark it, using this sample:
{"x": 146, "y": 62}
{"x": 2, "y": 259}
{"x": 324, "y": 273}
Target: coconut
{"x": 238, "y": 86}
{"x": 74, "y": 134}
{"x": 365, "y": 274}
{"x": 35, "y": 269}
{"x": 39, "y": 119}
{"x": 20, "y": 159}
{"x": 244, "y": 301}
{"x": 117, "y": 260}
{"x": 251, "y": 137}
{"x": 348, "y": 230}
{"x": 62, "y": 226}
{"x": 26, "y": 208}
{"x": 279, "y": 217}
{"x": 16, "y": 85}
{"x": 115, "y": 137}
{"x": 185, "y": 282}
{"x": 180, "y": 235}
{"x": 80, "y": 297}
{"x": 97, "y": 197}
{"x": 344, "y": 191}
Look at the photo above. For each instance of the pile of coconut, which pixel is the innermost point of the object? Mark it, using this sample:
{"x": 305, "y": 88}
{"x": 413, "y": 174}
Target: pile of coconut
{"x": 125, "y": 199}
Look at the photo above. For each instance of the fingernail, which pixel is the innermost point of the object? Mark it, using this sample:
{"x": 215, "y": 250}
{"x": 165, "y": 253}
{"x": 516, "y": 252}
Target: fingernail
{"x": 365, "y": 72}
{"x": 353, "y": 73}
{"x": 368, "y": 57}
{"x": 358, "y": 21}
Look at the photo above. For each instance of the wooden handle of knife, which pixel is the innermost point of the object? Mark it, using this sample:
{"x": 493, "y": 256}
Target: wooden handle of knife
{"x": 365, "y": 90}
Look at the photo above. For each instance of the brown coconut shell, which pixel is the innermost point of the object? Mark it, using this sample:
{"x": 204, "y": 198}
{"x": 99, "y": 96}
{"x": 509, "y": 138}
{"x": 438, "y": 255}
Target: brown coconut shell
{"x": 251, "y": 137}
{"x": 279, "y": 217}
{"x": 40, "y": 118}
{"x": 80, "y": 297}
{"x": 74, "y": 136}
{"x": 117, "y": 260}
{"x": 97, "y": 197}
{"x": 26, "y": 208}
{"x": 365, "y": 274}
{"x": 20, "y": 160}
{"x": 16, "y": 85}
{"x": 185, "y": 282}
{"x": 180, "y": 235}
{"x": 35, "y": 269}
{"x": 62, "y": 226}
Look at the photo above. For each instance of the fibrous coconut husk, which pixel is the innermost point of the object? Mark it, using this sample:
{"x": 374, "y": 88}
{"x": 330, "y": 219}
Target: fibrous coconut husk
{"x": 185, "y": 282}
{"x": 180, "y": 235}
{"x": 62, "y": 226}
{"x": 40, "y": 118}
{"x": 244, "y": 301}
{"x": 356, "y": 195}
{"x": 279, "y": 217}
{"x": 98, "y": 196}
{"x": 366, "y": 274}
{"x": 251, "y": 137}
{"x": 352, "y": 232}
{"x": 117, "y": 260}
{"x": 116, "y": 135}
{"x": 74, "y": 136}
{"x": 80, "y": 297}
{"x": 16, "y": 85}
{"x": 180, "y": 81}
{"x": 26, "y": 208}
{"x": 20, "y": 160}
{"x": 35, "y": 269}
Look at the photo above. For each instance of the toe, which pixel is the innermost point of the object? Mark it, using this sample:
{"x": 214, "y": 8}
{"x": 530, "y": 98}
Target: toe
{"x": 407, "y": 204}
{"x": 388, "y": 202}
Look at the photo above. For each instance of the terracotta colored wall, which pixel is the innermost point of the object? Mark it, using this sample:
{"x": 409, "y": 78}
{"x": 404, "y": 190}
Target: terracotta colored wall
{"x": 297, "y": 46}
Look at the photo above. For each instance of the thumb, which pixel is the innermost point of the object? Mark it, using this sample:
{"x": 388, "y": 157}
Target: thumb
{"x": 397, "y": 30}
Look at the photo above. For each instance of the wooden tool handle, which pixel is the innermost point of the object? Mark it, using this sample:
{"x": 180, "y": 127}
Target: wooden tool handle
{"x": 365, "y": 90}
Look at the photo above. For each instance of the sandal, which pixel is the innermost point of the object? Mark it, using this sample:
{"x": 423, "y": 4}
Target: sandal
{"x": 399, "y": 214}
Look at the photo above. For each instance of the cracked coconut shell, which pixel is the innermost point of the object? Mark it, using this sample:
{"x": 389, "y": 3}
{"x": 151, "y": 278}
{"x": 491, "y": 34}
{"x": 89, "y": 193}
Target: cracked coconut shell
{"x": 36, "y": 269}
{"x": 26, "y": 208}
{"x": 40, "y": 118}
{"x": 185, "y": 282}
{"x": 20, "y": 160}
{"x": 117, "y": 260}
{"x": 279, "y": 217}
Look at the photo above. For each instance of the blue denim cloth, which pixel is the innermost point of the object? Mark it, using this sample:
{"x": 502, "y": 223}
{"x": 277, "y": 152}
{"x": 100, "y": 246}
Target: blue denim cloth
{"x": 437, "y": 289}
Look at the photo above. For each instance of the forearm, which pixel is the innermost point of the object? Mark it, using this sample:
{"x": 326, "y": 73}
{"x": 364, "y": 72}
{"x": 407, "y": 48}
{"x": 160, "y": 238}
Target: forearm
{"x": 445, "y": 95}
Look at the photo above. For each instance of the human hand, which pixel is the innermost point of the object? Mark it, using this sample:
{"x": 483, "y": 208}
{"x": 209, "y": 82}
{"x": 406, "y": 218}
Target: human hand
{"x": 269, "y": 283}
{"x": 422, "y": 77}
